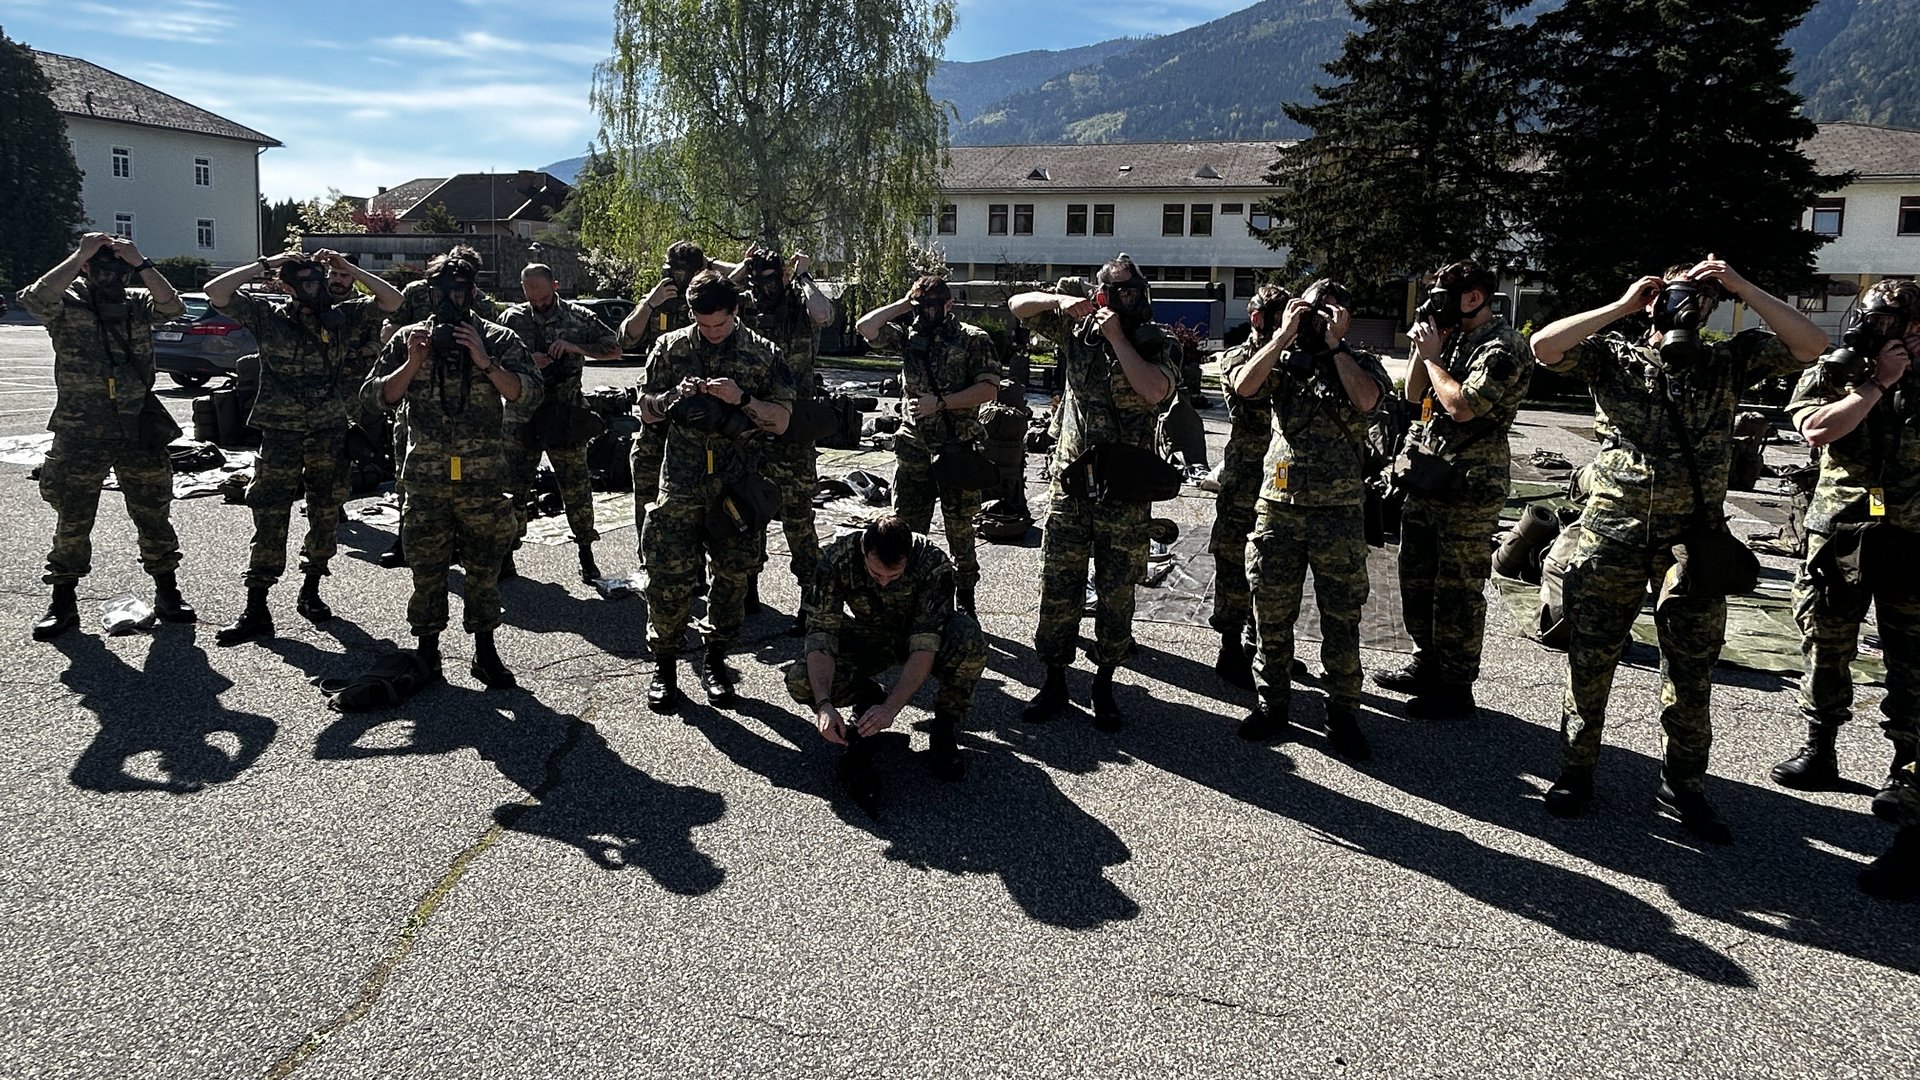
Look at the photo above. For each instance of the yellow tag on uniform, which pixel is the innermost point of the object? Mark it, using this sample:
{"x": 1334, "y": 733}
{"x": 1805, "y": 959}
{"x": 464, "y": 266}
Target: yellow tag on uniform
{"x": 1426, "y": 409}
{"x": 1280, "y": 476}
{"x": 326, "y": 336}
{"x": 110, "y": 385}
{"x": 1876, "y": 502}
{"x": 709, "y": 461}
{"x": 453, "y": 468}
{"x": 660, "y": 321}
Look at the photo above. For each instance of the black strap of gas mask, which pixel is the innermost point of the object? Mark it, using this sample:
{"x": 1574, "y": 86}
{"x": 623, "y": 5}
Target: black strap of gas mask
{"x": 106, "y": 336}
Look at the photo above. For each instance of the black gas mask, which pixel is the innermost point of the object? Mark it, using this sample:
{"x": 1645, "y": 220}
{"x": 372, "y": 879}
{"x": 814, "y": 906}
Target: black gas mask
{"x": 452, "y": 304}
{"x": 1679, "y": 312}
{"x": 767, "y": 277}
{"x": 930, "y": 310}
{"x": 1266, "y": 318}
{"x": 1441, "y": 307}
{"x": 108, "y": 275}
{"x": 307, "y": 281}
{"x": 1876, "y": 320}
{"x": 1128, "y": 299}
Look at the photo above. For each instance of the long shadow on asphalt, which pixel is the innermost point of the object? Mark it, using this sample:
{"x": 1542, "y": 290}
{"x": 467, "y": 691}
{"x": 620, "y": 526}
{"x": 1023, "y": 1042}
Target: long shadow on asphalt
{"x": 1200, "y": 746}
{"x": 583, "y": 793}
{"x": 170, "y": 710}
{"x": 1007, "y": 818}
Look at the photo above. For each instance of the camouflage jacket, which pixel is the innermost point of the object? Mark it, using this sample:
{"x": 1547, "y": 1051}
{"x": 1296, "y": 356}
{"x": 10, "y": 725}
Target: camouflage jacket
{"x": 453, "y": 416}
{"x": 914, "y": 608}
{"x": 416, "y": 305}
{"x": 794, "y": 334}
{"x": 564, "y": 320}
{"x": 306, "y": 377}
{"x": 959, "y": 355}
{"x": 1242, "y": 462}
{"x": 1641, "y": 493}
{"x": 102, "y": 363}
{"x": 1098, "y": 404}
{"x": 668, "y": 317}
{"x": 1318, "y": 453}
{"x": 1883, "y": 452}
{"x": 1494, "y": 365}
{"x": 700, "y": 463}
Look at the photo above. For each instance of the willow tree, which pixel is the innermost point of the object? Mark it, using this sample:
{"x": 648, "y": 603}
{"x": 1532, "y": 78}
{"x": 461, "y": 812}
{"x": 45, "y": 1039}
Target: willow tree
{"x": 794, "y": 123}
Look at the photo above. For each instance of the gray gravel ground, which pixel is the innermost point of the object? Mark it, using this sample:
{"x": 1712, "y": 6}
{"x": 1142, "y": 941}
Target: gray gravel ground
{"x": 208, "y": 874}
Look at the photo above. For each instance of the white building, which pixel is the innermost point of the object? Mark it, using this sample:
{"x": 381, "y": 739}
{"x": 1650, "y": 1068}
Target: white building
{"x": 174, "y": 177}
{"x": 1874, "y": 222}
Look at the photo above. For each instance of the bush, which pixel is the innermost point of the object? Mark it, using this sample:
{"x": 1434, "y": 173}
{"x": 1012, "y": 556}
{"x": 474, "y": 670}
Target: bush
{"x": 186, "y": 273}
{"x": 403, "y": 275}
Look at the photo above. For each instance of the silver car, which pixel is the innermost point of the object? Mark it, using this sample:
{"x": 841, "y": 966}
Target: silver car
{"x": 200, "y": 344}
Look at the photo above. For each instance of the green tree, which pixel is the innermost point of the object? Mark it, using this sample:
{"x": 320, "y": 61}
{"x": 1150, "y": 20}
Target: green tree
{"x": 185, "y": 272}
{"x": 797, "y": 123}
{"x": 1413, "y": 157}
{"x": 39, "y": 181}
{"x": 435, "y": 218}
{"x": 323, "y": 216}
{"x": 1672, "y": 132}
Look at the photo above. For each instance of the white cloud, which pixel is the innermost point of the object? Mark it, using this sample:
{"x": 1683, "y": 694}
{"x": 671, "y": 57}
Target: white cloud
{"x": 479, "y": 44}
{"x": 183, "y": 19}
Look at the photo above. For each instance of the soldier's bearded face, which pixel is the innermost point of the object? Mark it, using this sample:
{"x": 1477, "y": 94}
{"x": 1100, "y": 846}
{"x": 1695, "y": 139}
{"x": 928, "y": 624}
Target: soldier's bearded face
{"x": 882, "y": 574}
{"x": 539, "y": 290}
{"x": 340, "y": 284}
{"x": 715, "y": 327}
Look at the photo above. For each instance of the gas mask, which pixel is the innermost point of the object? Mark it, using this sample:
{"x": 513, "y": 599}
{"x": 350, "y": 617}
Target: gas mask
{"x": 1128, "y": 299}
{"x": 308, "y": 283}
{"x": 1441, "y": 307}
{"x": 930, "y": 311}
{"x": 1679, "y": 312}
{"x": 1873, "y": 322}
{"x": 108, "y": 275}
{"x": 452, "y": 302}
{"x": 1265, "y": 319}
{"x": 768, "y": 280}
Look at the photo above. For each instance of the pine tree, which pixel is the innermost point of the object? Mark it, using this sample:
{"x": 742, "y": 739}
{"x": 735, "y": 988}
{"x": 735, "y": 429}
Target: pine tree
{"x": 1414, "y": 157}
{"x": 1672, "y": 132}
{"x": 40, "y": 204}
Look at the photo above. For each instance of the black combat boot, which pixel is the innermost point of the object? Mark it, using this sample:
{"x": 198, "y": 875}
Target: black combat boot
{"x": 663, "y": 690}
{"x": 1815, "y": 766}
{"x": 1570, "y": 795}
{"x": 428, "y": 653}
{"x": 255, "y": 620}
{"x": 309, "y": 605}
{"x": 508, "y": 571}
{"x": 487, "y": 666}
{"x": 1234, "y": 665}
{"x": 589, "y": 570}
{"x": 394, "y": 557}
{"x": 167, "y": 601}
{"x": 1694, "y": 813}
{"x": 1265, "y": 724}
{"x": 1409, "y": 678}
{"x": 1442, "y": 701}
{"x": 1343, "y": 731}
{"x": 856, "y": 773}
{"x": 752, "y": 605}
{"x": 1106, "y": 711}
{"x": 963, "y": 599}
{"x": 943, "y": 750}
{"x": 1051, "y": 700}
{"x": 63, "y": 614}
{"x": 717, "y": 679}
{"x": 1886, "y": 802}
{"x": 1895, "y": 875}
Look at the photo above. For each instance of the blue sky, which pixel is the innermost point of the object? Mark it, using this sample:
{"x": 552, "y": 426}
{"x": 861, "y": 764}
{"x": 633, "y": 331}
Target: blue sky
{"x": 368, "y": 94}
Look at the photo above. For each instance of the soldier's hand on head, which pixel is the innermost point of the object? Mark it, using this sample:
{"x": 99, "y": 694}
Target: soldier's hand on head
{"x": 91, "y": 243}
{"x": 662, "y": 293}
{"x": 128, "y": 253}
{"x": 1892, "y": 363}
{"x": 924, "y": 406}
{"x": 476, "y": 345}
{"x": 832, "y": 727}
{"x": 878, "y": 719}
{"x": 1642, "y": 292}
{"x": 1296, "y": 310}
{"x": 1714, "y": 268}
{"x": 1426, "y": 340}
{"x": 1338, "y": 319}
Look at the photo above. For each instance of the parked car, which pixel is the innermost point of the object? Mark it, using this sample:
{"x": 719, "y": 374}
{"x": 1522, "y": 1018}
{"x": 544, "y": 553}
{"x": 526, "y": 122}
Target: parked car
{"x": 613, "y": 310}
{"x": 201, "y": 343}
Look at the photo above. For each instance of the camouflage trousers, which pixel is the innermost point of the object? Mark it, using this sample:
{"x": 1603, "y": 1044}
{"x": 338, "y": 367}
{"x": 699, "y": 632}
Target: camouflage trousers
{"x": 645, "y": 454}
{"x": 1831, "y": 629}
{"x": 480, "y": 517}
{"x": 914, "y": 492}
{"x": 576, "y": 488}
{"x": 1287, "y": 541}
{"x": 1445, "y": 560}
{"x": 865, "y": 653}
{"x": 792, "y": 469}
{"x": 676, "y": 543}
{"x": 1605, "y": 589}
{"x": 1114, "y": 536}
{"x": 1233, "y": 519}
{"x": 70, "y": 481}
{"x": 288, "y": 463}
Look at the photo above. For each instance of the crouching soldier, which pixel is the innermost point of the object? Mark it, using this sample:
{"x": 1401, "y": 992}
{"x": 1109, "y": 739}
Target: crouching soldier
{"x": 899, "y": 588}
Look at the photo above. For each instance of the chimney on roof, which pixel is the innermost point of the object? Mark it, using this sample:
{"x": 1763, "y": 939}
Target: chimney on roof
{"x": 382, "y": 191}
{"x": 89, "y": 103}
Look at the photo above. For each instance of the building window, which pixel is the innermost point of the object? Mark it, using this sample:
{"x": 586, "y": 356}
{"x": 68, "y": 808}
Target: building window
{"x": 1232, "y": 208}
{"x": 202, "y": 172}
{"x": 203, "y": 233}
{"x": 1023, "y": 219}
{"x": 1103, "y": 219}
{"x": 1245, "y": 281}
{"x": 949, "y": 219}
{"x": 1173, "y": 219}
{"x": 1202, "y": 220}
{"x": 997, "y": 219}
{"x": 1910, "y": 215}
{"x": 122, "y": 163}
{"x": 1829, "y": 216}
{"x": 1259, "y": 222}
{"x": 123, "y": 225}
{"x": 1076, "y": 219}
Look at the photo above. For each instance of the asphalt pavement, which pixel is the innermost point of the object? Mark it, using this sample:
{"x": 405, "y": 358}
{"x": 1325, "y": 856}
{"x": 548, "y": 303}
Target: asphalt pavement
{"x": 206, "y": 873}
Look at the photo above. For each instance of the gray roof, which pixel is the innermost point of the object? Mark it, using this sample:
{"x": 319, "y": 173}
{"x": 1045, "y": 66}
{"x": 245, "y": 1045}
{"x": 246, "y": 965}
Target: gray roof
{"x": 1097, "y": 166}
{"x": 405, "y": 197}
{"x": 1872, "y": 149}
{"x": 492, "y": 196}
{"x": 81, "y": 88}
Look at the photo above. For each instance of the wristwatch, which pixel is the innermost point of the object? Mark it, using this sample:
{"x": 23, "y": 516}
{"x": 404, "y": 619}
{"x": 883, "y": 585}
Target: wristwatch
{"x": 490, "y": 368}
{"x": 145, "y": 265}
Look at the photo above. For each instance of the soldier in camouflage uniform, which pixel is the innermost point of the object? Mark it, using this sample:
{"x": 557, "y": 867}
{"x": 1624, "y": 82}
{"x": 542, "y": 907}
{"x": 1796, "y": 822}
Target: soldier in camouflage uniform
{"x": 789, "y": 310}
{"x": 1642, "y": 499}
{"x": 1863, "y": 536}
{"x": 450, "y": 377}
{"x": 307, "y": 399}
{"x": 899, "y": 588}
{"x": 1312, "y": 507}
{"x": 715, "y": 386}
{"x": 560, "y": 337}
{"x": 948, "y": 371}
{"x": 1469, "y": 371}
{"x": 416, "y": 303}
{"x": 106, "y": 417}
{"x": 1241, "y": 468}
{"x": 1119, "y": 370}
